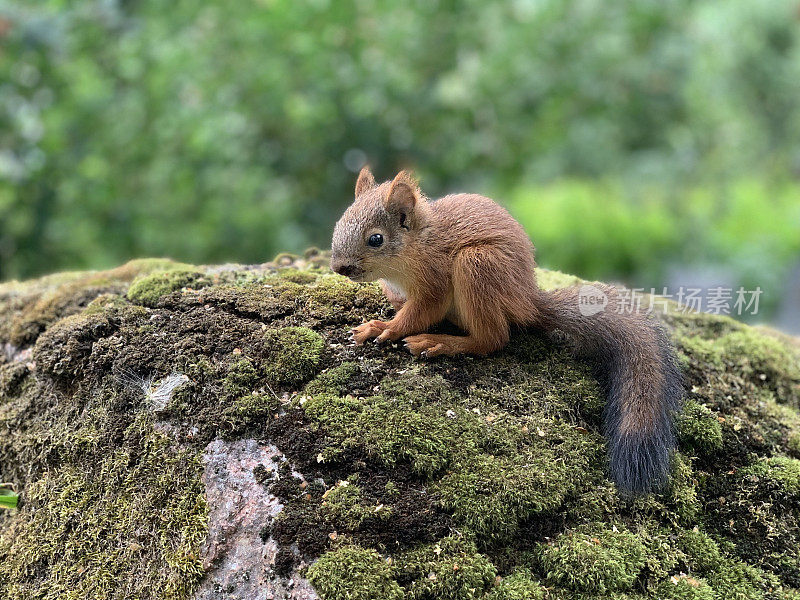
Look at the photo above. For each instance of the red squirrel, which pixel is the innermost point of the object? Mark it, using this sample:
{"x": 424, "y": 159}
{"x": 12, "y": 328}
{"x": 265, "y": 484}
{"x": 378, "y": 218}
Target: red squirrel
{"x": 465, "y": 259}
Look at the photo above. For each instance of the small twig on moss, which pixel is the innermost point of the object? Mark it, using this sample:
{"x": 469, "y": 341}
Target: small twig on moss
{"x": 269, "y": 387}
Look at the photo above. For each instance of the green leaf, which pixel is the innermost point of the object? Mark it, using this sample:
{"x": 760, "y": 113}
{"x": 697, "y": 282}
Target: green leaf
{"x": 8, "y": 499}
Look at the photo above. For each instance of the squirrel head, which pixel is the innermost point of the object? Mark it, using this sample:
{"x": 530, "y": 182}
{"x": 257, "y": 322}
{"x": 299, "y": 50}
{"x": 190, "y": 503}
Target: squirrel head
{"x": 371, "y": 236}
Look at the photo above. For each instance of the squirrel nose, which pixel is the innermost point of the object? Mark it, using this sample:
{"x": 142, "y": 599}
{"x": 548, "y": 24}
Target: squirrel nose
{"x": 346, "y": 270}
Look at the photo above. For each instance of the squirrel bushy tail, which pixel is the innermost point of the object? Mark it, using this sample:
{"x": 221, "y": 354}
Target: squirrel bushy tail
{"x": 634, "y": 360}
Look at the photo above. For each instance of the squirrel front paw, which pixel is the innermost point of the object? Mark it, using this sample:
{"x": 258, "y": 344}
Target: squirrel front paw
{"x": 368, "y": 330}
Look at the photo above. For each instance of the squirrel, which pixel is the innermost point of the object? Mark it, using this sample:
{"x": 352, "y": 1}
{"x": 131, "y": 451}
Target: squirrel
{"x": 464, "y": 258}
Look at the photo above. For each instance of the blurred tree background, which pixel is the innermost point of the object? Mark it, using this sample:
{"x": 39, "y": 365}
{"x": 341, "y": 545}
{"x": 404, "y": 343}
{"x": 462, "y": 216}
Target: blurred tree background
{"x": 633, "y": 139}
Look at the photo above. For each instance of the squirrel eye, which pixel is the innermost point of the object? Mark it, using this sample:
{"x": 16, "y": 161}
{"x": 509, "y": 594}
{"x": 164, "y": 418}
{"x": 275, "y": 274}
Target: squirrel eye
{"x": 375, "y": 240}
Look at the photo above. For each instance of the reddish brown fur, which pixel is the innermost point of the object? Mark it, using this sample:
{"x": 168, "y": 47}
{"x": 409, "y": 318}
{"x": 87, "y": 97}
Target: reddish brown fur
{"x": 465, "y": 259}
{"x": 473, "y": 255}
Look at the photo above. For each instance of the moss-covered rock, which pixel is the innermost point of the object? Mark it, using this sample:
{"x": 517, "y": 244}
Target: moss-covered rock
{"x": 685, "y": 588}
{"x": 147, "y": 290}
{"x": 781, "y": 470}
{"x": 344, "y": 506}
{"x": 517, "y": 585}
{"x": 454, "y": 478}
{"x": 793, "y": 443}
{"x": 353, "y": 573}
{"x": 699, "y": 428}
{"x": 293, "y": 355}
{"x": 594, "y": 559}
{"x": 450, "y": 569}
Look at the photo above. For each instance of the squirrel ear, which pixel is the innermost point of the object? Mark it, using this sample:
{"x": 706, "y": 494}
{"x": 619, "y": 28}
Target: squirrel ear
{"x": 365, "y": 181}
{"x": 403, "y": 193}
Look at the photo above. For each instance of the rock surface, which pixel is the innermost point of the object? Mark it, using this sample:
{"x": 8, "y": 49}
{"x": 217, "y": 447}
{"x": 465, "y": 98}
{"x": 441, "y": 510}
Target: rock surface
{"x": 239, "y": 561}
{"x": 208, "y": 432}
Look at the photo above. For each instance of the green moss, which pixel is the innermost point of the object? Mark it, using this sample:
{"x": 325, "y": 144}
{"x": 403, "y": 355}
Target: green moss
{"x": 11, "y": 378}
{"x": 390, "y": 431}
{"x": 700, "y": 325}
{"x": 765, "y": 359}
{"x": 293, "y": 355}
{"x": 333, "y": 298}
{"x": 333, "y": 381}
{"x": 242, "y": 379}
{"x": 493, "y": 471}
{"x": 491, "y": 495}
{"x": 775, "y": 422}
{"x": 519, "y": 585}
{"x": 729, "y": 577}
{"x": 794, "y": 443}
{"x": 696, "y": 348}
{"x": 534, "y": 377}
{"x": 782, "y": 470}
{"x": 353, "y": 573}
{"x": 498, "y": 474}
{"x": 28, "y": 308}
{"x": 685, "y": 588}
{"x": 699, "y": 429}
{"x": 451, "y": 569}
{"x": 266, "y": 297}
{"x": 332, "y": 292}
{"x": 680, "y": 502}
{"x": 744, "y": 354}
{"x": 755, "y": 512}
{"x": 344, "y": 507}
{"x": 418, "y": 387}
{"x": 113, "y": 303}
{"x": 147, "y": 290}
{"x": 253, "y": 409}
{"x": 62, "y": 350}
{"x": 67, "y": 538}
{"x": 51, "y": 305}
{"x": 702, "y": 553}
{"x": 735, "y": 580}
{"x": 549, "y": 280}
{"x": 594, "y": 559}
{"x": 682, "y": 492}
{"x": 297, "y": 276}
{"x": 246, "y": 401}
{"x": 143, "y": 266}
{"x": 522, "y": 473}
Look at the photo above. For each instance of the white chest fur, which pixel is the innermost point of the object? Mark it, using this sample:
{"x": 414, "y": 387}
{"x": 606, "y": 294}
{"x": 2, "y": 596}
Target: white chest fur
{"x": 396, "y": 288}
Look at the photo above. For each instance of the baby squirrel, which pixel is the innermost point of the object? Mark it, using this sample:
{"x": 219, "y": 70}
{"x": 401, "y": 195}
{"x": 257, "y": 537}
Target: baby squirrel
{"x": 465, "y": 259}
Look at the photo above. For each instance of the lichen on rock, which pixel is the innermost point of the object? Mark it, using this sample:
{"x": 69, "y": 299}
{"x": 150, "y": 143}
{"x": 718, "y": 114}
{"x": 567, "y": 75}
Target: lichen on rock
{"x": 210, "y": 432}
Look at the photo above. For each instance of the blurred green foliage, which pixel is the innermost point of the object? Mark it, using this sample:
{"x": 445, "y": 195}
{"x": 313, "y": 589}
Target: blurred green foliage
{"x": 626, "y": 135}
{"x": 602, "y": 229}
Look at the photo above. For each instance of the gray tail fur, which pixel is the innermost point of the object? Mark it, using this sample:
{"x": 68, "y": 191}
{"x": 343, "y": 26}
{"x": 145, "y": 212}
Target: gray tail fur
{"x": 634, "y": 359}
